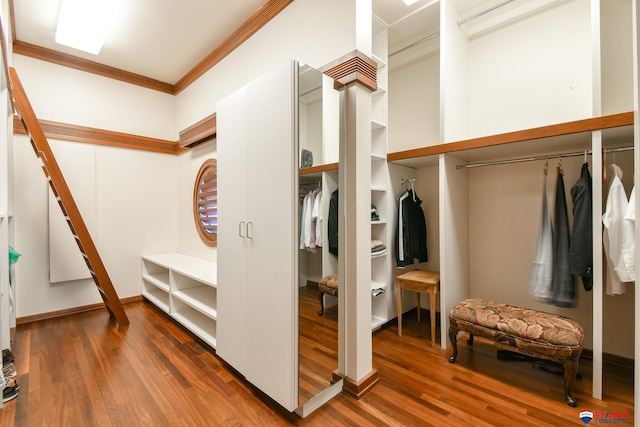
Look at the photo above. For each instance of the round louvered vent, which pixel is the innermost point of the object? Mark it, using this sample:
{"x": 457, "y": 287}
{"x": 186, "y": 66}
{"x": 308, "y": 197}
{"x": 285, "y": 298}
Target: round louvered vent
{"x": 205, "y": 202}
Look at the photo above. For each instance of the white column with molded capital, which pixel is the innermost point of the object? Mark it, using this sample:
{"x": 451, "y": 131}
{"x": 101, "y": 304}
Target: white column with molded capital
{"x": 355, "y": 196}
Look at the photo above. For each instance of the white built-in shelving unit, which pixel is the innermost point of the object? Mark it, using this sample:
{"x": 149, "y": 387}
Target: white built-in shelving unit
{"x": 383, "y": 304}
{"x": 486, "y": 79}
{"x": 185, "y": 288}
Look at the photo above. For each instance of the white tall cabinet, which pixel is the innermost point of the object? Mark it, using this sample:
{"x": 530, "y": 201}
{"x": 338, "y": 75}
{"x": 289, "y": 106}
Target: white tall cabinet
{"x": 257, "y": 255}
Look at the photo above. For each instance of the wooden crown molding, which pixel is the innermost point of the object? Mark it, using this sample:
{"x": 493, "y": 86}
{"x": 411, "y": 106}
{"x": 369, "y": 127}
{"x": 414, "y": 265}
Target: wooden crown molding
{"x": 198, "y": 133}
{"x": 246, "y": 30}
{"x": 49, "y": 55}
{"x": 353, "y": 67}
{"x": 69, "y": 132}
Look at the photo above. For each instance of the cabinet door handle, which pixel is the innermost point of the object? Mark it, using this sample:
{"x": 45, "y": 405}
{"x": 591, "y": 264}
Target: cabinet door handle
{"x": 250, "y": 223}
{"x": 240, "y": 227}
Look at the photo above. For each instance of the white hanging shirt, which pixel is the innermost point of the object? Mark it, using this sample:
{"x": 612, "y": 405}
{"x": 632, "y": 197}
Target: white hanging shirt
{"x": 316, "y": 216}
{"x": 305, "y": 227}
{"x": 617, "y": 237}
{"x": 630, "y": 217}
{"x": 631, "y": 209}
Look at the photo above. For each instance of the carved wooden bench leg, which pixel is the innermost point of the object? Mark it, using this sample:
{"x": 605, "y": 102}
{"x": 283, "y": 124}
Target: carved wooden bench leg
{"x": 570, "y": 370}
{"x": 453, "y": 337}
{"x": 321, "y": 298}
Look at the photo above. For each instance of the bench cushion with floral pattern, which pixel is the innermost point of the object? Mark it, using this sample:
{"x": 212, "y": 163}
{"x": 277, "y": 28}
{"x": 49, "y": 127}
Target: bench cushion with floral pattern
{"x": 532, "y": 332}
{"x": 523, "y": 328}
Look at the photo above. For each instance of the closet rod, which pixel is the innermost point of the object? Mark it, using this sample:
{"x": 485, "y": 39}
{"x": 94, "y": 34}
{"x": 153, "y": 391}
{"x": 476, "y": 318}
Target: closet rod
{"x": 464, "y": 21}
{"x": 426, "y": 39}
{"x": 530, "y": 159}
{"x": 459, "y": 23}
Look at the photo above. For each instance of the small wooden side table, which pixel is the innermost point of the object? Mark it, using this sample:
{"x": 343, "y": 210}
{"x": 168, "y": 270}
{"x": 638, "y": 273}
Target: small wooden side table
{"x": 419, "y": 281}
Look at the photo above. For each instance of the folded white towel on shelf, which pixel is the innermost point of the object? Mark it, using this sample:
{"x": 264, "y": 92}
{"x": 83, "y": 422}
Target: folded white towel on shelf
{"x": 377, "y": 288}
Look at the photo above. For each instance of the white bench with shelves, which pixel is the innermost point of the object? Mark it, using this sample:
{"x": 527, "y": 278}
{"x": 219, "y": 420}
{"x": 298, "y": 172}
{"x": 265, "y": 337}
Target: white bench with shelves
{"x": 184, "y": 287}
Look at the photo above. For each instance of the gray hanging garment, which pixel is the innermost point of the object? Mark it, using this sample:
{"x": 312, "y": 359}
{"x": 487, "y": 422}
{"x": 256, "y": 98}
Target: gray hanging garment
{"x": 581, "y": 246}
{"x": 542, "y": 265}
{"x": 562, "y": 283}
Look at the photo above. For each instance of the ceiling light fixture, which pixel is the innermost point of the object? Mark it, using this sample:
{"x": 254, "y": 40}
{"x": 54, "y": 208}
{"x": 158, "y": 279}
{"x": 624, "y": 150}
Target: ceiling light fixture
{"x": 409, "y": 2}
{"x": 84, "y": 24}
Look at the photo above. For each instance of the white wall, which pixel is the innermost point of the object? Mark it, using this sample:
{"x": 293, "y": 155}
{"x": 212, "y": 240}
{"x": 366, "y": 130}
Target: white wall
{"x": 136, "y": 214}
{"x": 70, "y": 96}
{"x": 414, "y": 104}
{"x": 532, "y": 72}
{"x": 136, "y": 191}
{"x": 144, "y": 200}
{"x": 311, "y": 31}
{"x": 299, "y": 32}
{"x": 617, "y": 56}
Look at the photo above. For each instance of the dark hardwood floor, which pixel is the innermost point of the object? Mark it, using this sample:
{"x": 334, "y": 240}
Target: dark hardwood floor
{"x": 82, "y": 370}
{"x": 318, "y": 344}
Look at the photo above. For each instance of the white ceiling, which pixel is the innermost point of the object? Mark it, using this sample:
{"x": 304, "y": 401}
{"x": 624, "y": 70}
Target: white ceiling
{"x": 164, "y": 39}
{"x": 160, "y": 39}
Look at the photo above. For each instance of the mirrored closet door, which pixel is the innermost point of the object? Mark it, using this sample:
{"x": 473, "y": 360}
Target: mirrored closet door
{"x": 318, "y": 133}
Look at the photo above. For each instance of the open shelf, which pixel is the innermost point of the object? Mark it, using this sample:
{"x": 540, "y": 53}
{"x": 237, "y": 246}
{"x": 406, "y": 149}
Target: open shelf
{"x": 184, "y": 287}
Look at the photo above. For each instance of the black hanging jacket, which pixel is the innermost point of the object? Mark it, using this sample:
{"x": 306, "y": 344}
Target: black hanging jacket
{"x": 332, "y": 224}
{"x": 581, "y": 247}
{"x": 414, "y": 232}
{"x": 562, "y": 283}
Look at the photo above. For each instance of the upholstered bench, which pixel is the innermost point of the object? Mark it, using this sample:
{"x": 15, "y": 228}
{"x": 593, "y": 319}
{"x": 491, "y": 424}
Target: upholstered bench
{"x": 529, "y": 332}
{"x": 328, "y": 285}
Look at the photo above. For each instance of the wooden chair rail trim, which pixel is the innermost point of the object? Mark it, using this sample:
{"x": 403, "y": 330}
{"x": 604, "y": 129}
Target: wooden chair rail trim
{"x": 577, "y": 126}
{"x": 69, "y": 132}
{"x": 246, "y": 30}
{"x": 199, "y": 132}
{"x": 49, "y": 55}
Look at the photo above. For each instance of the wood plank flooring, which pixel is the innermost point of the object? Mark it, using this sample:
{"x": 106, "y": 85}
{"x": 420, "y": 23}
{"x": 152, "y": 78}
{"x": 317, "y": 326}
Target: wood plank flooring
{"x": 82, "y": 370}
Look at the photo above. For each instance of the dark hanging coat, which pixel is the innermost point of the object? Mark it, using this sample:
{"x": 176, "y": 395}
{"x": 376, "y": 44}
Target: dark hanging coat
{"x": 562, "y": 283}
{"x": 332, "y": 224}
{"x": 581, "y": 247}
{"x": 414, "y": 232}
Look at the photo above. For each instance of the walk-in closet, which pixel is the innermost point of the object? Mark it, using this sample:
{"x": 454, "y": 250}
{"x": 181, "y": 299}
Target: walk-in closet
{"x": 481, "y": 103}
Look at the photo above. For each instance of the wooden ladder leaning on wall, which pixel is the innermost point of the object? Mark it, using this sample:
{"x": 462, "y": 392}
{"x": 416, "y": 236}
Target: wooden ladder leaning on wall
{"x": 65, "y": 199}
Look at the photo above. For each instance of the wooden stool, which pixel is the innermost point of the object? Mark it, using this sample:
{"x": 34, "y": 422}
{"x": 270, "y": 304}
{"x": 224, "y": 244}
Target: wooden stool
{"x": 419, "y": 281}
